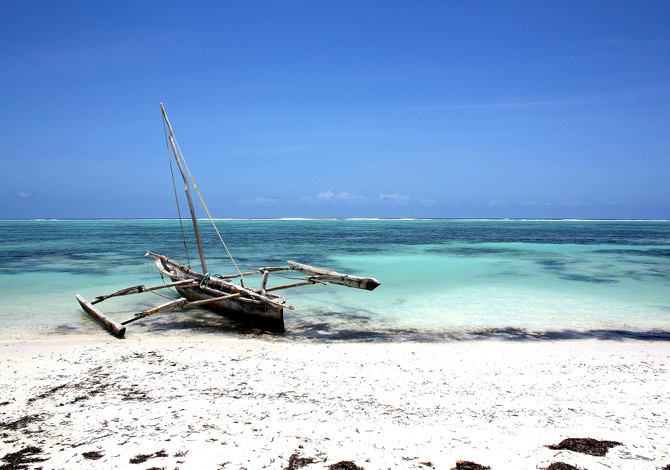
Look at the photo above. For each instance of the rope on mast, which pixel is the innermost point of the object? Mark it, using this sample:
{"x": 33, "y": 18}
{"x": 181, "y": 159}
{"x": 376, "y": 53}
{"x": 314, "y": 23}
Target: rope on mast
{"x": 187, "y": 190}
{"x": 181, "y": 155}
{"x": 176, "y": 198}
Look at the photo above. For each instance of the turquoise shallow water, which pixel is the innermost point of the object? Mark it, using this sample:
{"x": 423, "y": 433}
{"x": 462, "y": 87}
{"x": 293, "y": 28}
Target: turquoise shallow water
{"x": 441, "y": 279}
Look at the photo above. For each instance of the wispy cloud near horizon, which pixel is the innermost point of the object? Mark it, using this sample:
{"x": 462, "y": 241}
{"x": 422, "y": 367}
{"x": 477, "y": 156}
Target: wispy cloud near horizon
{"x": 329, "y": 197}
{"x": 395, "y": 198}
{"x": 428, "y": 202}
{"x": 261, "y": 201}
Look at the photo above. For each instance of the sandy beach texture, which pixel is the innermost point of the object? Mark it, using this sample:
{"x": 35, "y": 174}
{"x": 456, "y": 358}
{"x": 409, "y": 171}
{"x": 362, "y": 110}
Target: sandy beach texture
{"x": 250, "y": 404}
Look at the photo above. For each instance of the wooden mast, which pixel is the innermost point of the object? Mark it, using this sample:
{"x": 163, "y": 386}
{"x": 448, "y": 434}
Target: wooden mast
{"x": 188, "y": 193}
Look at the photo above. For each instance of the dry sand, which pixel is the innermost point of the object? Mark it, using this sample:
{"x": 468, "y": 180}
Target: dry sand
{"x": 253, "y": 404}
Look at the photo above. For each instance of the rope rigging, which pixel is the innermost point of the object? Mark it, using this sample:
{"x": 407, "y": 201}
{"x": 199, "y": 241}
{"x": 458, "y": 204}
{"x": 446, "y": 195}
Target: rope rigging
{"x": 176, "y": 198}
{"x": 195, "y": 186}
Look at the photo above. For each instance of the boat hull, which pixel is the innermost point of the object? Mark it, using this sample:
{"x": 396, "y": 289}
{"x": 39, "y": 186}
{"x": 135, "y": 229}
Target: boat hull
{"x": 251, "y": 312}
{"x": 254, "y": 312}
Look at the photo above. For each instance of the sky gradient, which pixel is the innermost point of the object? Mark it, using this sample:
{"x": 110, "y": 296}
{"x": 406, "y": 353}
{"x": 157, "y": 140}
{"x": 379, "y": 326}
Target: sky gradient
{"x": 449, "y": 109}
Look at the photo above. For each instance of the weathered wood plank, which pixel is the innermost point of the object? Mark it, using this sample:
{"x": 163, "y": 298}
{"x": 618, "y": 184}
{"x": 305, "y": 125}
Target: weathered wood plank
{"x": 197, "y": 303}
{"x": 109, "y": 324}
{"x": 141, "y": 288}
{"x": 295, "y": 284}
{"x": 367, "y": 283}
{"x": 161, "y": 308}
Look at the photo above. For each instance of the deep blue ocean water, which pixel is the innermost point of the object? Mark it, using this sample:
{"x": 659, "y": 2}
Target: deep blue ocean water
{"x": 441, "y": 279}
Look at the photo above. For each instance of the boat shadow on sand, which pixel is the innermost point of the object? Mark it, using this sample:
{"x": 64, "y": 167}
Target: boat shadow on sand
{"x": 362, "y": 327}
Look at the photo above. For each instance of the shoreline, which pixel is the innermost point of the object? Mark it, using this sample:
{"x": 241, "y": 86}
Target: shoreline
{"x": 253, "y": 404}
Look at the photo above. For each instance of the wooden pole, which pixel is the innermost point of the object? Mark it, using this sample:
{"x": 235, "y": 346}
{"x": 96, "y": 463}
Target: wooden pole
{"x": 142, "y": 288}
{"x": 180, "y": 302}
{"x": 264, "y": 282}
{"x": 161, "y": 308}
{"x": 196, "y": 303}
{"x": 289, "y": 286}
{"x": 188, "y": 193}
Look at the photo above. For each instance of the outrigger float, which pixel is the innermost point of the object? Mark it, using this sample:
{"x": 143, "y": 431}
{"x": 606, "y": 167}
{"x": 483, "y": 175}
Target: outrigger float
{"x": 259, "y": 308}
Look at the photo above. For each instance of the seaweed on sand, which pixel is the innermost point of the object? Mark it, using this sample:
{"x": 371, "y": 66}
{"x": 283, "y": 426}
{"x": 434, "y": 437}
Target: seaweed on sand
{"x": 585, "y": 446}
{"x": 562, "y": 466}
{"x": 465, "y": 465}
{"x": 19, "y": 460}
{"x": 141, "y": 458}
{"x": 294, "y": 461}
{"x": 48, "y": 393}
{"x": 20, "y": 423}
{"x": 345, "y": 465}
{"x": 93, "y": 455}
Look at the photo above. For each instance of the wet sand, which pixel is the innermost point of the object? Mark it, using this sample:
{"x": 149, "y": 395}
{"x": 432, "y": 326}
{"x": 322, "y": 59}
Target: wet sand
{"x": 165, "y": 403}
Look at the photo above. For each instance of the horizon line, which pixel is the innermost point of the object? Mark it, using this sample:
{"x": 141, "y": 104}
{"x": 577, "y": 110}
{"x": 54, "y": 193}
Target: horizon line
{"x": 483, "y": 219}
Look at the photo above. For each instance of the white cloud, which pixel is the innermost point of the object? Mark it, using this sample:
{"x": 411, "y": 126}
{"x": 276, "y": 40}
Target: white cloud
{"x": 261, "y": 201}
{"x": 327, "y": 196}
{"x": 589, "y": 204}
{"x": 536, "y": 204}
{"x": 429, "y": 202}
{"x": 394, "y": 198}
{"x": 496, "y": 203}
{"x": 23, "y": 195}
{"x": 332, "y": 198}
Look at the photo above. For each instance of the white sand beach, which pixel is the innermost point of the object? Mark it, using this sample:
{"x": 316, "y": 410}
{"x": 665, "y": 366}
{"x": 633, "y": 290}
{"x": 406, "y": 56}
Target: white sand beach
{"x": 253, "y": 404}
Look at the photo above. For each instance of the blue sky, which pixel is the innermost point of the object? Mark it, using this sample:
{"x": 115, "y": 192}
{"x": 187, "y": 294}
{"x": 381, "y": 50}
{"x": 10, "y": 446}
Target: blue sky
{"x": 443, "y": 109}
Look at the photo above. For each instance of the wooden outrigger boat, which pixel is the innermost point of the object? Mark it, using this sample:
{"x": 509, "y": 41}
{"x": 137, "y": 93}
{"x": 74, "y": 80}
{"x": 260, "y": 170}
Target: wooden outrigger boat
{"x": 260, "y": 308}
